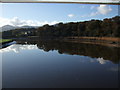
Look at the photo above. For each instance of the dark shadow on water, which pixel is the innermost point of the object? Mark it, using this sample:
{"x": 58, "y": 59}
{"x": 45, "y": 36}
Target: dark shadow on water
{"x": 91, "y": 50}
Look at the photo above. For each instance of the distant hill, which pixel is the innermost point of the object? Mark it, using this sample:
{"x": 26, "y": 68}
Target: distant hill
{"x": 10, "y": 27}
{"x": 7, "y": 27}
{"x": 28, "y": 26}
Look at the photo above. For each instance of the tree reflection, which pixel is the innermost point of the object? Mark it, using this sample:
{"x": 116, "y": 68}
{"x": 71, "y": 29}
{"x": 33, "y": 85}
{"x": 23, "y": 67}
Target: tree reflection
{"x": 91, "y": 50}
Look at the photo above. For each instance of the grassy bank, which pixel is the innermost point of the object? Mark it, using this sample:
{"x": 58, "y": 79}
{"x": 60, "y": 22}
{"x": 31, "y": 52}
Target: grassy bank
{"x": 112, "y": 39}
{"x": 107, "y": 41}
{"x": 5, "y": 40}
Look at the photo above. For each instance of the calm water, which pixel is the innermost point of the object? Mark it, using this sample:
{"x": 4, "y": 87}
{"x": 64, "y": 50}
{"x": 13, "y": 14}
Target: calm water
{"x": 38, "y": 64}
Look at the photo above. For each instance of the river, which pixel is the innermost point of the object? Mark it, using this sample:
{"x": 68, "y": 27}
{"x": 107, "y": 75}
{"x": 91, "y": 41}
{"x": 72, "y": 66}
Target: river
{"x": 53, "y": 64}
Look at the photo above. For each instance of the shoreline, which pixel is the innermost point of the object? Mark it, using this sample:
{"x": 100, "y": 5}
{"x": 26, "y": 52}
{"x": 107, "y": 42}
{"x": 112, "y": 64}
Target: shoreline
{"x": 106, "y": 41}
{"x": 4, "y": 41}
{"x": 97, "y": 43}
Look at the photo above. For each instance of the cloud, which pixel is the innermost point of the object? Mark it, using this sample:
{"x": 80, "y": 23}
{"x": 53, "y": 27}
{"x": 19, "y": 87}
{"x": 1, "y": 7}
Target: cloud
{"x": 104, "y": 9}
{"x": 101, "y": 60}
{"x": 15, "y": 21}
{"x": 71, "y": 15}
{"x": 100, "y": 10}
{"x": 4, "y": 21}
{"x": 17, "y": 48}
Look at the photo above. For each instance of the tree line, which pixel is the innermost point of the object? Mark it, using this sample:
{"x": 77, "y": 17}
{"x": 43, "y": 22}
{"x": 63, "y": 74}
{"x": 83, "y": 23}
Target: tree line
{"x": 19, "y": 33}
{"x": 108, "y": 27}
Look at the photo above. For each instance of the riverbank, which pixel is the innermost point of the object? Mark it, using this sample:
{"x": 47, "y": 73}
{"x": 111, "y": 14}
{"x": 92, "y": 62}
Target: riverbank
{"x": 4, "y": 41}
{"x": 106, "y": 41}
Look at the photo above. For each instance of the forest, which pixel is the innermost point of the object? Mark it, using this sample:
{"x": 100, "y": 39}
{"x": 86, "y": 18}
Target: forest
{"x": 93, "y": 28}
{"x": 19, "y": 33}
{"x": 108, "y": 27}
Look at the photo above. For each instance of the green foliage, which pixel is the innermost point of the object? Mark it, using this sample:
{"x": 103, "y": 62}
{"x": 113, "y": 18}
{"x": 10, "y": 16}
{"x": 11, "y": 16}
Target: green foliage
{"x": 109, "y": 27}
{"x": 19, "y": 33}
{"x": 93, "y": 28}
{"x": 5, "y": 40}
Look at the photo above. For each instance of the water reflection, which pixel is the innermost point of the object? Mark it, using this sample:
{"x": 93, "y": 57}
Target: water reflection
{"x": 46, "y": 64}
{"x": 101, "y": 60}
{"x": 115, "y": 69}
{"x": 101, "y": 53}
{"x": 94, "y": 51}
{"x": 17, "y": 47}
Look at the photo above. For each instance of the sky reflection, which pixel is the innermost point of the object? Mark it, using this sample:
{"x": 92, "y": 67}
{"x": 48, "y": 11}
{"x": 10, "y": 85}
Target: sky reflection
{"x": 16, "y": 48}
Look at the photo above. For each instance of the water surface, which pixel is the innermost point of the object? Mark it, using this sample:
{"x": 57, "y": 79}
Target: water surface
{"x": 59, "y": 65}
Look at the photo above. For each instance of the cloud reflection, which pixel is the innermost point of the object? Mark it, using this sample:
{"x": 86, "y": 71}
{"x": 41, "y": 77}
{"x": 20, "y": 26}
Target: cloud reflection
{"x": 101, "y": 60}
{"x": 17, "y": 48}
{"x": 115, "y": 69}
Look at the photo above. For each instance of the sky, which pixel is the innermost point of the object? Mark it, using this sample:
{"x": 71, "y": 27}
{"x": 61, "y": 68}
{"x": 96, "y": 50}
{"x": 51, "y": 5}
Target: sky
{"x": 38, "y": 14}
